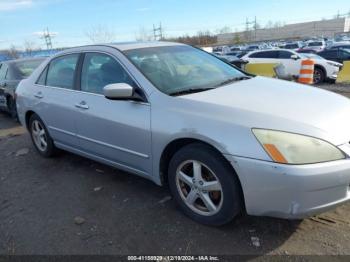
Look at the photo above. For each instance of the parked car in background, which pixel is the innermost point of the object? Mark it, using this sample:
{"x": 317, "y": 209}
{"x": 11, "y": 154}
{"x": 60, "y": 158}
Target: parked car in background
{"x": 234, "y": 60}
{"x": 252, "y": 48}
{"x": 340, "y": 45}
{"x": 223, "y": 141}
{"x": 291, "y": 60}
{"x": 306, "y": 51}
{"x": 221, "y": 50}
{"x": 11, "y": 73}
{"x": 318, "y": 46}
{"x": 337, "y": 54}
{"x": 293, "y": 46}
{"x": 235, "y": 48}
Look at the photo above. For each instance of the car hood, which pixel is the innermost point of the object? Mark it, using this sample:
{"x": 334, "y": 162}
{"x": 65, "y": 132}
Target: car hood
{"x": 275, "y": 104}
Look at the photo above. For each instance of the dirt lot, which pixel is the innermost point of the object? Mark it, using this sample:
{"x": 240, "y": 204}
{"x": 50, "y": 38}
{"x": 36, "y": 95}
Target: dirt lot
{"x": 71, "y": 205}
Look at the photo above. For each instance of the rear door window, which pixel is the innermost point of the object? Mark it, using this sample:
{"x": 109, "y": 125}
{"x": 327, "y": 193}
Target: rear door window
{"x": 61, "y": 72}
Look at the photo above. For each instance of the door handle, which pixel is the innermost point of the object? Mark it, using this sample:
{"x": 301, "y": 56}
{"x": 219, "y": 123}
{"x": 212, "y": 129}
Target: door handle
{"x": 39, "y": 95}
{"x": 82, "y": 105}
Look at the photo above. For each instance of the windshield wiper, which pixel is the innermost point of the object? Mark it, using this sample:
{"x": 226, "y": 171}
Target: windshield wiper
{"x": 231, "y": 80}
{"x": 189, "y": 91}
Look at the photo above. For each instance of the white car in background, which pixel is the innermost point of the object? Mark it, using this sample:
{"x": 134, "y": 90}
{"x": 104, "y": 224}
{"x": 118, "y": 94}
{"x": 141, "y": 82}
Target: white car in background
{"x": 221, "y": 50}
{"x": 317, "y": 46}
{"x": 291, "y": 60}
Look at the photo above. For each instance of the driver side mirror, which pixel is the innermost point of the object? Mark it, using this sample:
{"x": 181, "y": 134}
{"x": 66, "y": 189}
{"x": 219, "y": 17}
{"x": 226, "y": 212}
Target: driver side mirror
{"x": 118, "y": 91}
{"x": 294, "y": 57}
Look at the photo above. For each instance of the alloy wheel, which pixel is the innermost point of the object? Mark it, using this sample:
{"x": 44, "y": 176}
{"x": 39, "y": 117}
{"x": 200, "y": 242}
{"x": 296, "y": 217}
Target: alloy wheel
{"x": 39, "y": 135}
{"x": 317, "y": 76}
{"x": 199, "y": 188}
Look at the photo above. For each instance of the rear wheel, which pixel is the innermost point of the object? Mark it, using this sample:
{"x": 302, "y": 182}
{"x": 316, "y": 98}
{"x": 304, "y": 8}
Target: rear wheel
{"x": 319, "y": 75}
{"x": 41, "y": 137}
{"x": 204, "y": 185}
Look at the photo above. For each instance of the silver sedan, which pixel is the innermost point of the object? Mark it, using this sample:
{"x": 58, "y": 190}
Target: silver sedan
{"x": 222, "y": 140}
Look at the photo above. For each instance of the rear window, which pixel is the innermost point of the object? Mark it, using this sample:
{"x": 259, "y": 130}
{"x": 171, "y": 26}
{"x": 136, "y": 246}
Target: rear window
{"x": 26, "y": 68}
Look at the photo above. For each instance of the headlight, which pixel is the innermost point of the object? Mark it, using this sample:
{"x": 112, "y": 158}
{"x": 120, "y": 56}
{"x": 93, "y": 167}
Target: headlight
{"x": 333, "y": 64}
{"x": 288, "y": 148}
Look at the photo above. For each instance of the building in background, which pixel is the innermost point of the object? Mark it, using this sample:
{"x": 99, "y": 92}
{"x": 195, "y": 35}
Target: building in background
{"x": 324, "y": 28}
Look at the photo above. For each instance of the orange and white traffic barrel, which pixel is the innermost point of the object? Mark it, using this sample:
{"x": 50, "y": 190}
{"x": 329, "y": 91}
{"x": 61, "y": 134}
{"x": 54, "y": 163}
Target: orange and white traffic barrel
{"x": 306, "y": 75}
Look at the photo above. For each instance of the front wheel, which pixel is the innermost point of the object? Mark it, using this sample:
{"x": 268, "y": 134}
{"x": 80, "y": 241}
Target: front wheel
{"x": 204, "y": 185}
{"x": 319, "y": 76}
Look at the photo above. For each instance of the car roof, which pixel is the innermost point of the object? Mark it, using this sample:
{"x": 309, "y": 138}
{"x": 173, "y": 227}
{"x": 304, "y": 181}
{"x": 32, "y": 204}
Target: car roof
{"x": 27, "y": 59}
{"x": 271, "y": 50}
{"x": 124, "y": 46}
{"x": 137, "y": 45}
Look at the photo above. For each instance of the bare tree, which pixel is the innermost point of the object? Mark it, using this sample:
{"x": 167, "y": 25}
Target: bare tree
{"x": 100, "y": 34}
{"x": 143, "y": 35}
{"x": 237, "y": 39}
{"x": 269, "y": 24}
{"x": 201, "y": 39}
{"x": 12, "y": 52}
{"x": 29, "y": 47}
{"x": 224, "y": 30}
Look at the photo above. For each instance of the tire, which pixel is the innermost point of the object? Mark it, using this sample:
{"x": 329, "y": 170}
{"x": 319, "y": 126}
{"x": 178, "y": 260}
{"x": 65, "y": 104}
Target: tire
{"x": 225, "y": 197}
{"x": 41, "y": 138}
{"x": 319, "y": 75}
{"x": 12, "y": 108}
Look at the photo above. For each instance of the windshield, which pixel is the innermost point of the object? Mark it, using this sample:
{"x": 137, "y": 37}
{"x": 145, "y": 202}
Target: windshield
{"x": 25, "y": 68}
{"x": 179, "y": 68}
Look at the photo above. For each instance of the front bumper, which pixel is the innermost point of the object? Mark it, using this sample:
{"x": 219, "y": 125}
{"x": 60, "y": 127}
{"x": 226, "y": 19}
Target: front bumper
{"x": 292, "y": 191}
{"x": 333, "y": 76}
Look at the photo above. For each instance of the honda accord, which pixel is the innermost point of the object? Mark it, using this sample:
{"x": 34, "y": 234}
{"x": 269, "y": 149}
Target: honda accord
{"x": 223, "y": 141}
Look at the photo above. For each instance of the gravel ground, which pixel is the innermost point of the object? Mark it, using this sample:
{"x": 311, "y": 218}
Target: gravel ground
{"x": 71, "y": 205}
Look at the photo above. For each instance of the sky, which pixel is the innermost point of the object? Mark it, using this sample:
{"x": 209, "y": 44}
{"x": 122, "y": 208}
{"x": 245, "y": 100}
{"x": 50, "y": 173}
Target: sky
{"x": 72, "y": 20}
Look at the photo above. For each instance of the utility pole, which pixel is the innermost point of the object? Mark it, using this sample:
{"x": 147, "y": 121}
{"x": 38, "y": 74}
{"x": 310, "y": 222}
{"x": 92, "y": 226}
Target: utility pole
{"x": 47, "y": 37}
{"x": 158, "y": 32}
{"x": 255, "y": 28}
{"x": 248, "y": 26}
